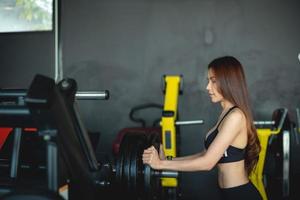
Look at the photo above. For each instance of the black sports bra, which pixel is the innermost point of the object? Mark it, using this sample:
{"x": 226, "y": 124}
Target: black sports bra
{"x": 232, "y": 154}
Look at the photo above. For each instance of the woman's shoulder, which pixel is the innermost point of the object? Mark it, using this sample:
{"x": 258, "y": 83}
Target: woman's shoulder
{"x": 235, "y": 117}
{"x": 237, "y": 112}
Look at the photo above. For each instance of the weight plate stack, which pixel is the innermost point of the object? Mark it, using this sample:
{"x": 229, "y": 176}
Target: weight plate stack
{"x": 134, "y": 179}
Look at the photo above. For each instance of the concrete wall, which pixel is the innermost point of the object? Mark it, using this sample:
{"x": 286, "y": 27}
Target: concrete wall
{"x": 126, "y": 47}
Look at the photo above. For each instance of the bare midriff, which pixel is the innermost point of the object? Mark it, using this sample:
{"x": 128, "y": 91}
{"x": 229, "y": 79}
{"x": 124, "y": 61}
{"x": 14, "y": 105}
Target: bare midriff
{"x": 232, "y": 174}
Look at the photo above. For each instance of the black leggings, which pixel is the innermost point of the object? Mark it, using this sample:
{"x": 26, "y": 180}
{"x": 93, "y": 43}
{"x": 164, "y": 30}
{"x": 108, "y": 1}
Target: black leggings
{"x": 241, "y": 192}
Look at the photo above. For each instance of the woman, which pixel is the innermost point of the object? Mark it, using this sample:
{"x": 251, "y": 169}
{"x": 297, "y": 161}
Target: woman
{"x": 232, "y": 144}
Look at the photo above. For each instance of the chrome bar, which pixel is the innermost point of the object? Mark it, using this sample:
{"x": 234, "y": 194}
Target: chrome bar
{"x": 168, "y": 174}
{"x": 286, "y": 163}
{"x": 58, "y": 70}
{"x": 92, "y": 95}
{"x": 192, "y": 122}
{"x": 280, "y": 124}
{"x": 80, "y": 95}
{"x": 15, "y": 153}
{"x": 282, "y": 119}
{"x": 264, "y": 122}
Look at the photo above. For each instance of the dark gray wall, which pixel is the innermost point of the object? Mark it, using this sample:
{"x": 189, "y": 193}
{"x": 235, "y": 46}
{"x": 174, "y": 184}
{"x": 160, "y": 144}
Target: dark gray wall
{"x": 23, "y": 55}
{"x": 126, "y": 46}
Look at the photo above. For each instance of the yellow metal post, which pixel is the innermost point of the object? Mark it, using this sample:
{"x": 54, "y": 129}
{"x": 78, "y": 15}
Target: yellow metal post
{"x": 172, "y": 87}
{"x": 257, "y": 174}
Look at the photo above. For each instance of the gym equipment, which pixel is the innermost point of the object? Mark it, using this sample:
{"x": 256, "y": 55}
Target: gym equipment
{"x": 70, "y": 158}
{"x": 128, "y": 147}
{"x": 134, "y": 179}
{"x": 143, "y": 129}
{"x": 10, "y": 153}
{"x": 49, "y": 109}
{"x": 15, "y": 99}
{"x": 272, "y": 171}
{"x": 172, "y": 88}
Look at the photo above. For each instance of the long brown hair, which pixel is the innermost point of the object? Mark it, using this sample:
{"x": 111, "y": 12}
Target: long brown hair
{"x": 232, "y": 86}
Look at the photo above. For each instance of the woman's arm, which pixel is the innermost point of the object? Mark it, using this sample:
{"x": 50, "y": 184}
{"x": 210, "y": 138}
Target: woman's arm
{"x": 162, "y": 155}
{"x": 231, "y": 127}
{"x": 190, "y": 157}
{"x": 186, "y": 163}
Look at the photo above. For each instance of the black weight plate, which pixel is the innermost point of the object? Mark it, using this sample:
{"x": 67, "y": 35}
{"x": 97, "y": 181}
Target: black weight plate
{"x": 136, "y": 165}
{"x": 126, "y": 166}
{"x": 148, "y": 181}
{"x": 119, "y": 166}
{"x": 133, "y": 170}
{"x": 120, "y": 161}
{"x": 152, "y": 184}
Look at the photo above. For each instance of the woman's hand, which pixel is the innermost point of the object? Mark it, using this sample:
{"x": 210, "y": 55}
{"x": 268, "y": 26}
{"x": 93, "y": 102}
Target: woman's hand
{"x": 151, "y": 157}
{"x": 161, "y": 152}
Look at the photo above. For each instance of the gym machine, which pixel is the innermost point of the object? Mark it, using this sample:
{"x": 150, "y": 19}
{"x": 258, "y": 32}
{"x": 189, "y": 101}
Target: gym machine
{"x": 272, "y": 172}
{"x": 161, "y": 185}
{"x": 18, "y": 161}
{"x": 15, "y": 98}
{"x": 172, "y": 88}
{"x": 70, "y": 160}
{"x": 144, "y": 128}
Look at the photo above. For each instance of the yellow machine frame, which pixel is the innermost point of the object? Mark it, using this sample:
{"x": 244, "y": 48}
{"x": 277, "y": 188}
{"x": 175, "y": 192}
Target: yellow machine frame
{"x": 257, "y": 174}
{"x": 172, "y": 90}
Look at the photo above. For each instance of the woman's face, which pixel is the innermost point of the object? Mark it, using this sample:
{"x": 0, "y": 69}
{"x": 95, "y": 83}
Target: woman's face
{"x": 212, "y": 88}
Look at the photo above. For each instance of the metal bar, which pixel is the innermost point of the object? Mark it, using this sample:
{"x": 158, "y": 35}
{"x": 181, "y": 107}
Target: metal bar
{"x": 286, "y": 163}
{"x": 298, "y": 118}
{"x": 264, "y": 122}
{"x": 92, "y": 95}
{"x": 282, "y": 119}
{"x": 15, "y": 116}
{"x": 168, "y": 174}
{"x": 14, "y": 110}
{"x": 15, "y": 153}
{"x": 192, "y": 122}
{"x": 58, "y": 76}
{"x": 12, "y": 92}
{"x": 280, "y": 124}
{"x": 84, "y": 141}
{"x": 80, "y": 95}
{"x": 16, "y": 147}
{"x": 52, "y": 168}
